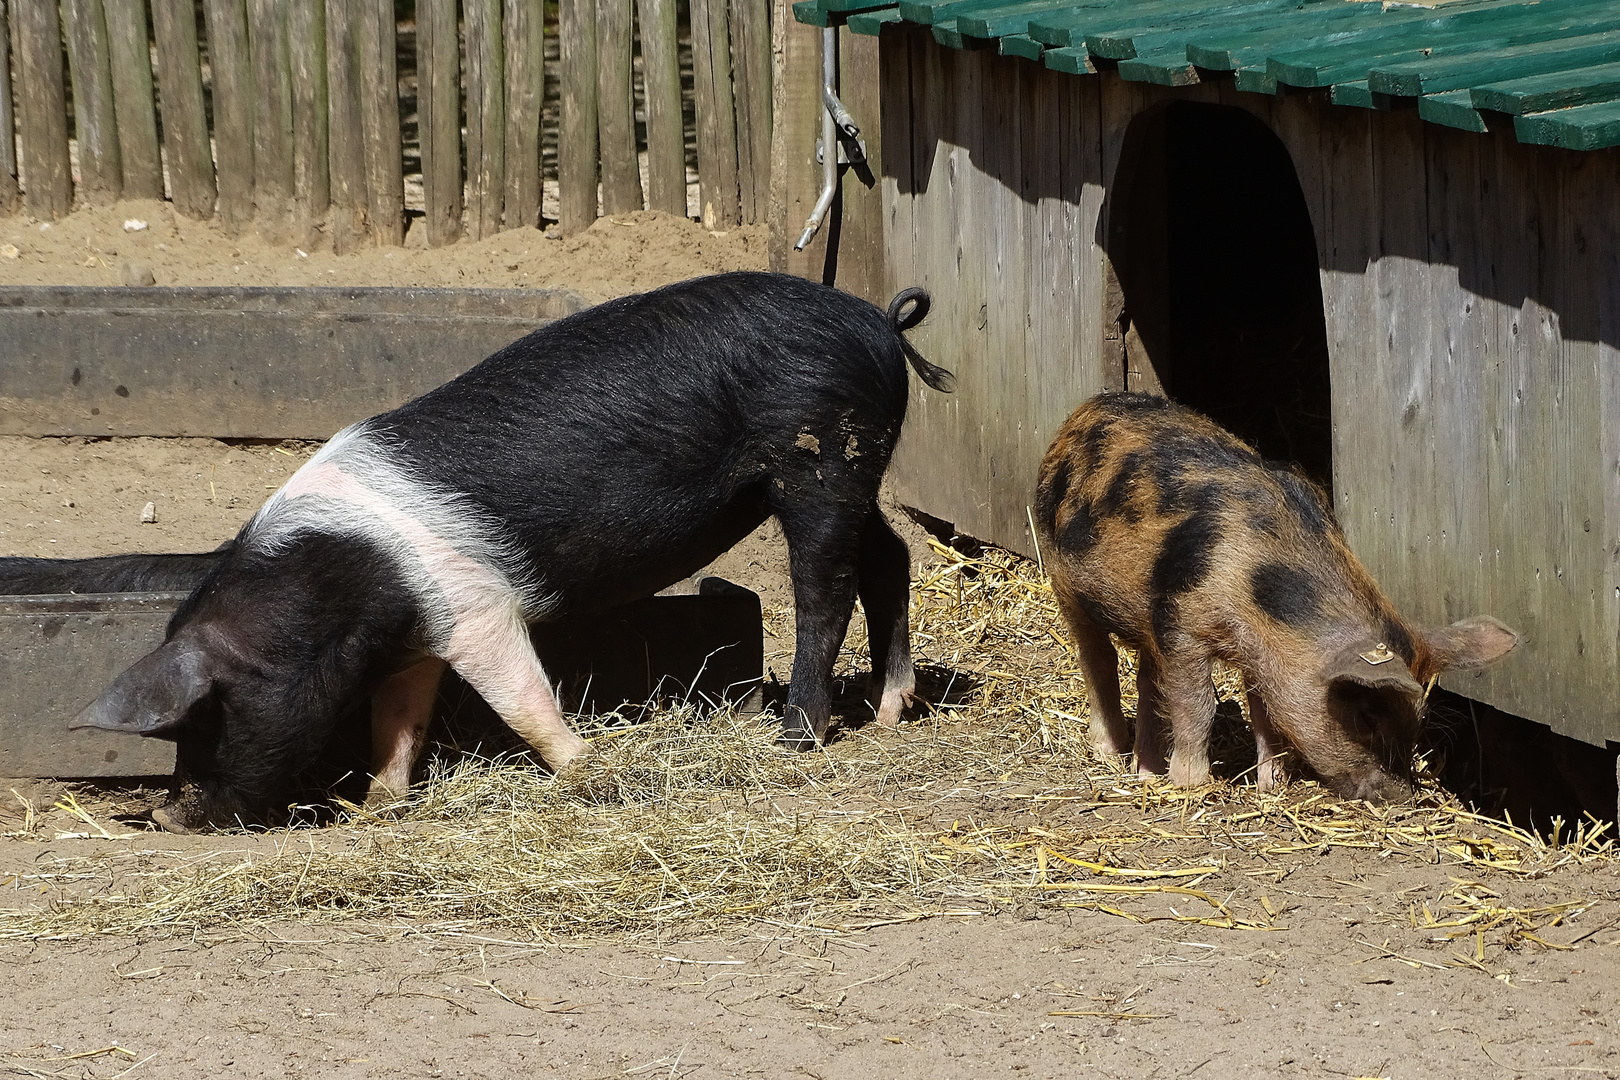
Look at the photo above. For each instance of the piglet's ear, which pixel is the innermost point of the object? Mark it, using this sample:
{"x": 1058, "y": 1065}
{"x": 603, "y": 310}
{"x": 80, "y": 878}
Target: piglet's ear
{"x": 1470, "y": 643}
{"x": 1372, "y": 663}
{"x": 155, "y": 696}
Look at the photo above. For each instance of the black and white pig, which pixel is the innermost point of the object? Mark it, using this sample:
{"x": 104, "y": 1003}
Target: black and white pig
{"x": 1166, "y": 531}
{"x": 593, "y": 462}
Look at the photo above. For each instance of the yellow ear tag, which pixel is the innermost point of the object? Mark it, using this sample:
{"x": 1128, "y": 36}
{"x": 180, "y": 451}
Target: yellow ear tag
{"x": 1378, "y": 654}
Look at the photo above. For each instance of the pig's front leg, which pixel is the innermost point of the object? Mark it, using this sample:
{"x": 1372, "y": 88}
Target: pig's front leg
{"x": 401, "y": 709}
{"x": 490, "y": 648}
{"x": 1188, "y": 688}
{"x": 1268, "y": 744}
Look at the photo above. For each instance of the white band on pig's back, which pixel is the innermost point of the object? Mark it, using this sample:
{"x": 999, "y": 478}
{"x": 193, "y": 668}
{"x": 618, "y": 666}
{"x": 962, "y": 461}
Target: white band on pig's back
{"x": 449, "y": 557}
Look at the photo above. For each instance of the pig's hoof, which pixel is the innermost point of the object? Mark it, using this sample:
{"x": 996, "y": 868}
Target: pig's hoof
{"x": 798, "y": 739}
{"x": 571, "y": 761}
{"x": 166, "y": 821}
{"x": 894, "y": 703}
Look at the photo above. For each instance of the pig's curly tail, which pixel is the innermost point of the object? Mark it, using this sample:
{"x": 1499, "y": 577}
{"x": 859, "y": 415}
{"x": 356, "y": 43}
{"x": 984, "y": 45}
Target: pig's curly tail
{"x": 906, "y": 310}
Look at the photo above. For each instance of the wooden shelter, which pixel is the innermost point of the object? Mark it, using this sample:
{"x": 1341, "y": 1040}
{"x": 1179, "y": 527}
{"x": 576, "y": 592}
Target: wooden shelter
{"x": 1383, "y": 241}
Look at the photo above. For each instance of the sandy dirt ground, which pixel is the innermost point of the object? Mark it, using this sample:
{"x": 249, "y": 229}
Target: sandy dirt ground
{"x": 1330, "y": 973}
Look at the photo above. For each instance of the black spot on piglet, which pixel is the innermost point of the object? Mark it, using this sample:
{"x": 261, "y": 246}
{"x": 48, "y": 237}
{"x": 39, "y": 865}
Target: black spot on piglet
{"x": 1286, "y": 593}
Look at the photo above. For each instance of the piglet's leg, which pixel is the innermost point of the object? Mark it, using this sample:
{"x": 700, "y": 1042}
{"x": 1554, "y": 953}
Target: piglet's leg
{"x": 885, "y": 590}
{"x": 400, "y": 710}
{"x": 1099, "y": 663}
{"x": 1149, "y": 714}
{"x": 1189, "y": 702}
{"x": 490, "y": 649}
{"x": 1268, "y": 744}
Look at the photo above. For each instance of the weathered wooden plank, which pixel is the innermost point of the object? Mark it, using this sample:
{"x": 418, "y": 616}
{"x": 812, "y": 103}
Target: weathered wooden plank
{"x": 896, "y": 178}
{"x": 346, "y": 146}
{"x": 525, "y": 92}
{"x": 1020, "y": 45}
{"x": 860, "y": 201}
{"x": 379, "y": 119}
{"x": 230, "y": 61}
{"x": 1551, "y": 90}
{"x": 920, "y": 474}
{"x": 1452, "y": 109}
{"x": 311, "y": 170}
{"x": 1332, "y": 33}
{"x": 130, "y": 59}
{"x": 272, "y": 118}
{"x": 485, "y": 66}
{"x": 1125, "y": 42}
{"x": 796, "y": 124}
{"x": 661, "y": 77}
{"x": 871, "y": 23}
{"x": 1009, "y": 175}
{"x": 243, "y": 362}
{"x": 1070, "y": 60}
{"x": 1461, "y": 407}
{"x": 1440, "y": 38}
{"x": 101, "y": 165}
{"x": 615, "y": 109}
{"x": 187, "y": 155}
{"x": 1433, "y": 73}
{"x": 1585, "y": 127}
{"x": 10, "y": 193}
{"x": 438, "y": 118}
{"x": 42, "y": 105}
{"x": 716, "y": 114}
{"x": 577, "y": 129}
{"x": 751, "y": 69}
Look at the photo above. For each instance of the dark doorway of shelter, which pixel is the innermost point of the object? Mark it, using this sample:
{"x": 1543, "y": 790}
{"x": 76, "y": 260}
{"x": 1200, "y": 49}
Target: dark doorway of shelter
{"x": 1218, "y": 298}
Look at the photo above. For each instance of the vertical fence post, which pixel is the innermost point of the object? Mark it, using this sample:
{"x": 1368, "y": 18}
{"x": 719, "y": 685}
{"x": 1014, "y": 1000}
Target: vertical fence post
{"x": 345, "y": 139}
{"x": 751, "y": 65}
{"x": 228, "y": 58}
{"x": 615, "y": 105}
{"x": 185, "y": 123}
{"x": 43, "y": 105}
{"x": 576, "y": 135}
{"x": 311, "y": 178}
{"x": 666, "y": 137}
{"x": 525, "y": 94}
{"x": 272, "y": 118}
{"x": 716, "y": 114}
{"x": 438, "y": 118}
{"x": 486, "y": 117}
{"x": 379, "y": 120}
{"x": 10, "y": 193}
{"x": 131, "y": 59}
{"x": 101, "y": 166}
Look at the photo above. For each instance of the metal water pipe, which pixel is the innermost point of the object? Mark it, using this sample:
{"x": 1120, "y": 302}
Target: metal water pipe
{"x": 835, "y": 122}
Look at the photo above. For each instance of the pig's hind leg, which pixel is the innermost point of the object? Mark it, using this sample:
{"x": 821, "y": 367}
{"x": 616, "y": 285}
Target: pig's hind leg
{"x": 1099, "y": 664}
{"x": 401, "y": 709}
{"x": 885, "y": 590}
{"x": 1150, "y": 714}
{"x": 824, "y": 543}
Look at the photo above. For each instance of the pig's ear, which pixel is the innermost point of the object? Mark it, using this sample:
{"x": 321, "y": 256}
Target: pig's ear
{"x": 156, "y": 695}
{"x": 1374, "y": 664}
{"x": 1470, "y": 643}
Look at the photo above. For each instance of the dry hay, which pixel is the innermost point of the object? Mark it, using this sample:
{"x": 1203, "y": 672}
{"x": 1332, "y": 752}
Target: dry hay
{"x": 990, "y": 798}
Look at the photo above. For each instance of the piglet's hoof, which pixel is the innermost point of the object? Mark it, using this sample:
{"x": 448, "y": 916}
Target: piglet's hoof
{"x": 799, "y": 739}
{"x": 166, "y": 821}
{"x": 571, "y": 762}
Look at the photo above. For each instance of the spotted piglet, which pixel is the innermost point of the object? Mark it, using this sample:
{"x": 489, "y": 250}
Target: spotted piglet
{"x": 1166, "y": 531}
{"x": 594, "y": 462}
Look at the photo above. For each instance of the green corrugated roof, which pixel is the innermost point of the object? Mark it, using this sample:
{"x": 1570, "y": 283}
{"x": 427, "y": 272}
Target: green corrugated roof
{"x": 1552, "y": 65}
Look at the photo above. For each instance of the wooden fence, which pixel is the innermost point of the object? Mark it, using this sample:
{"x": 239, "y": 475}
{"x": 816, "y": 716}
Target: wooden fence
{"x": 286, "y": 115}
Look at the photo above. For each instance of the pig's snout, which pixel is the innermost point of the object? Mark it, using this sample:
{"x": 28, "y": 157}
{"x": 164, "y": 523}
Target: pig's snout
{"x": 1374, "y": 786}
